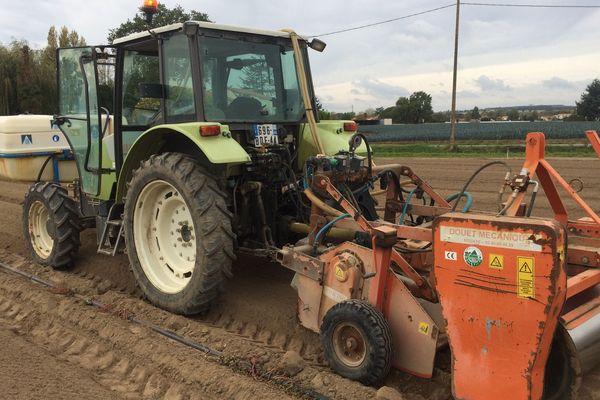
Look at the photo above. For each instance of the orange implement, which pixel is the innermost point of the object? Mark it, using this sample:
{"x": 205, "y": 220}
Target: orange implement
{"x": 502, "y": 284}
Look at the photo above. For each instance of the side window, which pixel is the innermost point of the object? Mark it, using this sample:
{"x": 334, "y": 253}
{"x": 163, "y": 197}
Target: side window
{"x": 139, "y": 68}
{"x": 180, "y": 101}
{"x": 293, "y": 104}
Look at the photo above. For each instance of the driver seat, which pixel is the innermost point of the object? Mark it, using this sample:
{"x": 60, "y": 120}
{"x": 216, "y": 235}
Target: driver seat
{"x": 246, "y": 108}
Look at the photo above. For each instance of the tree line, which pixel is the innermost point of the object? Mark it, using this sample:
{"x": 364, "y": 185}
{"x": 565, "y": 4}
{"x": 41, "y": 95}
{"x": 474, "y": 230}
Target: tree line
{"x": 28, "y": 76}
{"x": 417, "y": 109}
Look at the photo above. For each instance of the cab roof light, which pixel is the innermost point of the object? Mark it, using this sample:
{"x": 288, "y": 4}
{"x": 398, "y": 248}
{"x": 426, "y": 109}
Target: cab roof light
{"x": 210, "y": 130}
{"x": 350, "y": 126}
{"x": 150, "y": 8}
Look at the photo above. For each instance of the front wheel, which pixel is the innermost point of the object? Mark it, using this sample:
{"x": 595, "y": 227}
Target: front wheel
{"x": 51, "y": 225}
{"x": 178, "y": 233}
{"x": 357, "y": 341}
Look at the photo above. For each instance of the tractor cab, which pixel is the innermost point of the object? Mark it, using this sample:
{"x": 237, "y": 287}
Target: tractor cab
{"x": 243, "y": 81}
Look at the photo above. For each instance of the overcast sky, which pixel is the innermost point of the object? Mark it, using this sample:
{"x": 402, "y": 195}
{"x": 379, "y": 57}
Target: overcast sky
{"x": 508, "y": 56}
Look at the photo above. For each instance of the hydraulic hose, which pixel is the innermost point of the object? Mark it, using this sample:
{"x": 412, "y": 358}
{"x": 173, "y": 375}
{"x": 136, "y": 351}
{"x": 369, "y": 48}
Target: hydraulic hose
{"x": 484, "y": 166}
{"x": 321, "y": 204}
{"x": 326, "y": 228}
{"x": 466, "y": 195}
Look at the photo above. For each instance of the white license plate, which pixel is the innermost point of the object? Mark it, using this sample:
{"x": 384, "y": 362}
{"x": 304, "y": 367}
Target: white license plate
{"x": 265, "y": 135}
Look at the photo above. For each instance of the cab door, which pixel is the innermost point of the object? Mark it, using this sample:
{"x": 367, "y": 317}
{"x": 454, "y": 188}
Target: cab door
{"x": 84, "y": 76}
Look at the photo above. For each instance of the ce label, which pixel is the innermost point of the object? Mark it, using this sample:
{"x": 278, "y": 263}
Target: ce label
{"x": 450, "y": 255}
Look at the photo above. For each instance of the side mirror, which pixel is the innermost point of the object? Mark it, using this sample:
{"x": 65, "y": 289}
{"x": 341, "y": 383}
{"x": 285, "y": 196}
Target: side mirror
{"x": 354, "y": 142}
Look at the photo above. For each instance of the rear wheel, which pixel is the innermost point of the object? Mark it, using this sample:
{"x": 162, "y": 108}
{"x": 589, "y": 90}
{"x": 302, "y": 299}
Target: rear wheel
{"x": 357, "y": 341}
{"x": 178, "y": 233}
{"x": 51, "y": 225}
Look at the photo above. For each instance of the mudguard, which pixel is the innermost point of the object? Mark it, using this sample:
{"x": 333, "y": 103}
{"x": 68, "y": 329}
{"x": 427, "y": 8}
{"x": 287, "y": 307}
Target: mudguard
{"x": 221, "y": 149}
{"x": 332, "y": 135}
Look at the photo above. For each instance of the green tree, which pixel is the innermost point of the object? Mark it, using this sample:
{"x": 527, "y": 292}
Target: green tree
{"x": 513, "y": 115}
{"x": 415, "y": 109}
{"x": 164, "y": 16}
{"x": 589, "y": 106}
{"x": 475, "y": 113}
{"x": 420, "y": 104}
{"x": 321, "y": 111}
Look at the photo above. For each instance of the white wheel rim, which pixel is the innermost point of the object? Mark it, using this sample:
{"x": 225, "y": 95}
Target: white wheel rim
{"x": 41, "y": 240}
{"x": 164, "y": 237}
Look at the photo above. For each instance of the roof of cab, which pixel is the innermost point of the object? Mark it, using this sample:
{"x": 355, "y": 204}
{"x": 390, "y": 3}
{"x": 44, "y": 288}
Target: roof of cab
{"x": 201, "y": 24}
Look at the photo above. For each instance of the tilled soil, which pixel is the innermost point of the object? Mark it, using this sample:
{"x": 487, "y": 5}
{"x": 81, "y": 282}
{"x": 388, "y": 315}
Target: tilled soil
{"x": 57, "y": 346}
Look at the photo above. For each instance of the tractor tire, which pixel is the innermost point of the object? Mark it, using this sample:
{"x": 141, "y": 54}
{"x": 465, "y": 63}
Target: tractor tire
{"x": 51, "y": 225}
{"x": 357, "y": 341}
{"x": 178, "y": 233}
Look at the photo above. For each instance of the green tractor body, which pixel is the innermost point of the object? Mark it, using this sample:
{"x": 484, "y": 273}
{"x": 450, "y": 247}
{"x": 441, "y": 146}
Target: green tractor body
{"x": 190, "y": 141}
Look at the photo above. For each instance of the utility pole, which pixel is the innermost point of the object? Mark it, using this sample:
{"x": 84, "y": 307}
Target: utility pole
{"x": 453, "y": 146}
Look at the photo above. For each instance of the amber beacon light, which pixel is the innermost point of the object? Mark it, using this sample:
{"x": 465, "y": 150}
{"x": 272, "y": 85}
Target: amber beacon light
{"x": 150, "y": 8}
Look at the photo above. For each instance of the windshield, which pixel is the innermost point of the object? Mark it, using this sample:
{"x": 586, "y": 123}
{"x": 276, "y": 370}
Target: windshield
{"x": 249, "y": 81}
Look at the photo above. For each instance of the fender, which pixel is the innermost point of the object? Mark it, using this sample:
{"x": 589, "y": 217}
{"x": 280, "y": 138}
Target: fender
{"x": 332, "y": 136}
{"x": 220, "y": 149}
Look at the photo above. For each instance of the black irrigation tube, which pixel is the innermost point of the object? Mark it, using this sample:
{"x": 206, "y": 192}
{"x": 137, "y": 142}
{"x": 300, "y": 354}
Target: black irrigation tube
{"x": 298, "y": 389}
{"x": 167, "y": 333}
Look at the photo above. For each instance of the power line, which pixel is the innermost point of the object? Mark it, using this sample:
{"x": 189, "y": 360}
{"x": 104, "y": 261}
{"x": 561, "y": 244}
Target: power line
{"x": 528, "y": 5}
{"x": 522, "y": 5}
{"x": 387, "y": 21}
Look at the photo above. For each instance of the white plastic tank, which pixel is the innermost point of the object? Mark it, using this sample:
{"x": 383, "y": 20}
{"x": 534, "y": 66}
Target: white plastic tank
{"x": 26, "y": 142}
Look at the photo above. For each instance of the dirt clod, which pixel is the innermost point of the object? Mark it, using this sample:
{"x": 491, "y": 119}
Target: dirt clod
{"x": 292, "y": 363}
{"x": 388, "y": 393}
{"x": 103, "y": 287}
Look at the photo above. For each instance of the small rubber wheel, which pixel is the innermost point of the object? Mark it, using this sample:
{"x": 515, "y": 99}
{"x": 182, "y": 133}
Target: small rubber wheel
{"x": 178, "y": 233}
{"x": 51, "y": 225}
{"x": 357, "y": 341}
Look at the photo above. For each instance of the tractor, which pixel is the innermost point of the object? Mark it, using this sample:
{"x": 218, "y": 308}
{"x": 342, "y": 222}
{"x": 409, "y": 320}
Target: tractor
{"x": 196, "y": 141}
{"x": 189, "y": 140}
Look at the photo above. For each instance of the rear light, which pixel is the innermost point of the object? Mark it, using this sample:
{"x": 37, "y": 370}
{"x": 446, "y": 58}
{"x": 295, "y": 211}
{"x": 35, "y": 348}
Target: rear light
{"x": 350, "y": 126}
{"x": 210, "y": 130}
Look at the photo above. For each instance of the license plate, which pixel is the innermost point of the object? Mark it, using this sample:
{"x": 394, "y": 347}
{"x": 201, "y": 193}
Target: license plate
{"x": 265, "y": 135}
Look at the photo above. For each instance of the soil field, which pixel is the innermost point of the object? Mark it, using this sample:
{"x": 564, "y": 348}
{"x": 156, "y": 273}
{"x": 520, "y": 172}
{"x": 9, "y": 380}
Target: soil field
{"x": 55, "y": 345}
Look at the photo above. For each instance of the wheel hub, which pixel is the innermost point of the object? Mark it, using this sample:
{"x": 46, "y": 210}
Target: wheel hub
{"x": 349, "y": 344}
{"x": 164, "y": 236}
{"x": 41, "y": 229}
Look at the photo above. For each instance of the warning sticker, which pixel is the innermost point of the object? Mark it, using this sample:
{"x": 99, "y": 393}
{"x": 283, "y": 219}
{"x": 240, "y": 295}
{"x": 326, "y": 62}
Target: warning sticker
{"x": 26, "y": 139}
{"x": 525, "y": 277}
{"x": 424, "y": 328}
{"x": 496, "y": 261}
{"x": 340, "y": 274}
{"x": 483, "y": 237}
